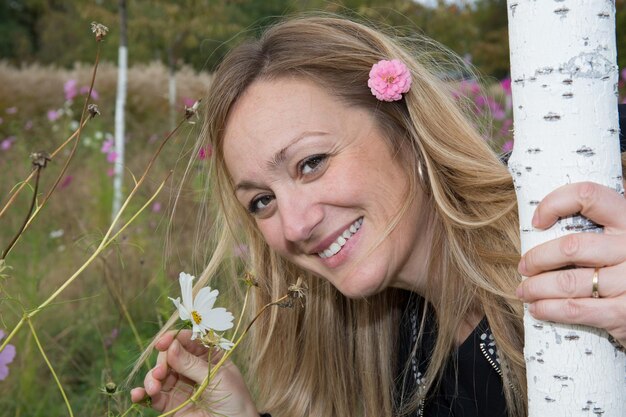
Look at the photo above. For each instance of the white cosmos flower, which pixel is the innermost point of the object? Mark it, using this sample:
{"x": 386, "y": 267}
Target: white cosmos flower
{"x": 200, "y": 310}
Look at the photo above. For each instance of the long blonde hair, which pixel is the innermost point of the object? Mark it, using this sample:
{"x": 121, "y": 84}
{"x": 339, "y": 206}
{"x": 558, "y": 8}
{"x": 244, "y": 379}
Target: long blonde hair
{"x": 336, "y": 357}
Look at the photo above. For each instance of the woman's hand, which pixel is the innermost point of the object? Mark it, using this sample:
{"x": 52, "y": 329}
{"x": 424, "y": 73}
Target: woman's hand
{"x": 566, "y": 295}
{"x": 181, "y": 365}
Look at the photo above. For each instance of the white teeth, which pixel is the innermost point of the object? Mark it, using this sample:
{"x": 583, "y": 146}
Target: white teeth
{"x": 335, "y": 247}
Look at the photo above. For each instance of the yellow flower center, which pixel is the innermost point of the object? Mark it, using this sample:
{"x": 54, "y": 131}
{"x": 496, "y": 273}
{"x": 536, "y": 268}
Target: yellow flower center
{"x": 197, "y": 318}
{"x": 389, "y": 79}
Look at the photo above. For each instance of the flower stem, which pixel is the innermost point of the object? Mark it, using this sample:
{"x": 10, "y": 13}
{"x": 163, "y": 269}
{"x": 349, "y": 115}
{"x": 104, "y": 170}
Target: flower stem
{"x": 212, "y": 371}
{"x": 45, "y": 358}
{"x": 76, "y": 142}
{"x": 30, "y": 211}
{"x": 105, "y": 242}
{"x": 32, "y": 173}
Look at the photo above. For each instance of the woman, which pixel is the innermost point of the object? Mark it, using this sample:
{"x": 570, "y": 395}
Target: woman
{"x": 403, "y": 224}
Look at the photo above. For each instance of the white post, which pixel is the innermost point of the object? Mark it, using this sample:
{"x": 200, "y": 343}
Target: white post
{"x": 564, "y": 83}
{"x": 120, "y": 108}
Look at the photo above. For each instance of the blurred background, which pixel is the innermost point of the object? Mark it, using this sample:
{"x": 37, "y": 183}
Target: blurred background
{"x": 95, "y": 330}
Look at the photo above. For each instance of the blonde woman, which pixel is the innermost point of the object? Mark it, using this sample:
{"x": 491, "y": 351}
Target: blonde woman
{"x": 342, "y": 159}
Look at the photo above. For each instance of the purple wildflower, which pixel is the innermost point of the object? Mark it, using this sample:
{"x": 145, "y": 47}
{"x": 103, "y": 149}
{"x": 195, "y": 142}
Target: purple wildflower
{"x": 624, "y": 74}
{"x": 94, "y": 94}
{"x": 54, "y": 115}
{"x": 506, "y": 85}
{"x": 6, "y": 144}
{"x": 66, "y": 181}
{"x": 70, "y": 89}
{"x": 205, "y": 152}
{"x": 6, "y": 357}
{"x": 107, "y": 145}
{"x": 11, "y": 110}
{"x": 156, "y": 207}
{"x": 111, "y": 156}
{"x": 188, "y": 102}
{"x": 507, "y": 146}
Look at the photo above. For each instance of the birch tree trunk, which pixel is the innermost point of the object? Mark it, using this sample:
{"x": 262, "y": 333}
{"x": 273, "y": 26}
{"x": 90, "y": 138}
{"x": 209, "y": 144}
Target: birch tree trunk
{"x": 564, "y": 82}
{"x": 120, "y": 108}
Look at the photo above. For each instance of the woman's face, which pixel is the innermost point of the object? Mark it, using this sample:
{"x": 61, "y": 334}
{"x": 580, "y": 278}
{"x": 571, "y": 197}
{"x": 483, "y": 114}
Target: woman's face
{"x": 323, "y": 187}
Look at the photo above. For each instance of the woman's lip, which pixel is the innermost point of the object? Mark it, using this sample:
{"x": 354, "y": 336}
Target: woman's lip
{"x": 345, "y": 253}
{"x": 324, "y": 244}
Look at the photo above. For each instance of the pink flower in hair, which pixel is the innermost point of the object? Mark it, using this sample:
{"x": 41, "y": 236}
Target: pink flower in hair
{"x": 389, "y": 80}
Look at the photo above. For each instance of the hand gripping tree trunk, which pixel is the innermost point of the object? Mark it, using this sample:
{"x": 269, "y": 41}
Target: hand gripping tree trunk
{"x": 564, "y": 81}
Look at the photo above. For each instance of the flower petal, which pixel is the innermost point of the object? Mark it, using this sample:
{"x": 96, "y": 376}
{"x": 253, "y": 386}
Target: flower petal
{"x": 186, "y": 286}
{"x": 182, "y": 311}
{"x": 218, "y": 319}
{"x": 205, "y": 299}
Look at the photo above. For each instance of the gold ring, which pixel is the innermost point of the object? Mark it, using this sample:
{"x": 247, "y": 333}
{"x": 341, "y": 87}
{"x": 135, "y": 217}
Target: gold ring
{"x": 594, "y": 283}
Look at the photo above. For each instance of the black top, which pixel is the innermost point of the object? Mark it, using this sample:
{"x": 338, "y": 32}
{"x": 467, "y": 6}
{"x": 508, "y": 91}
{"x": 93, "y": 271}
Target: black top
{"x": 471, "y": 384}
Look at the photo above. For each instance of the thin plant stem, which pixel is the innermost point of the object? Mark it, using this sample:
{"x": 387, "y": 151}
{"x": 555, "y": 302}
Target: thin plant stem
{"x": 212, "y": 371}
{"x": 76, "y": 142}
{"x": 30, "y": 211}
{"x": 243, "y": 310}
{"x": 32, "y": 173}
{"x": 45, "y": 358}
{"x": 105, "y": 242}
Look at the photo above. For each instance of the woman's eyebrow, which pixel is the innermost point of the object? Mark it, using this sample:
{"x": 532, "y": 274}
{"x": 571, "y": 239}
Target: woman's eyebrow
{"x": 279, "y": 157}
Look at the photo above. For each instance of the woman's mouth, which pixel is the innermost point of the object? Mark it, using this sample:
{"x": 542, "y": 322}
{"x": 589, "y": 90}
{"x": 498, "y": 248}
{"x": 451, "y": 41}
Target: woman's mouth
{"x": 336, "y": 246}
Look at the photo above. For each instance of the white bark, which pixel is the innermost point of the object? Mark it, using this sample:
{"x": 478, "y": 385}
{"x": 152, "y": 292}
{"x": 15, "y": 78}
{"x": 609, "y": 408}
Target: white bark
{"x": 564, "y": 82}
{"x": 120, "y": 105}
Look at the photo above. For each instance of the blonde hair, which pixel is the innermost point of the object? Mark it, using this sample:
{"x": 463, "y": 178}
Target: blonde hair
{"x": 337, "y": 356}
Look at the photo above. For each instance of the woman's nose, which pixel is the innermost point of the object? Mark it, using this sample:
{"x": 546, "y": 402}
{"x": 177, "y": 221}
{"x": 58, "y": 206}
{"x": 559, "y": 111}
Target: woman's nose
{"x": 299, "y": 216}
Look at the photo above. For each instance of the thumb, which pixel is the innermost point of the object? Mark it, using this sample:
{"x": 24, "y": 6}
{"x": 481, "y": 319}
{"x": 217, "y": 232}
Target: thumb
{"x": 186, "y": 364}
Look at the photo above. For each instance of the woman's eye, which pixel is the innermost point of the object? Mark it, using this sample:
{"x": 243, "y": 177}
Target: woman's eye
{"x": 259, "y": 203}
{"x": 312, "y": 164}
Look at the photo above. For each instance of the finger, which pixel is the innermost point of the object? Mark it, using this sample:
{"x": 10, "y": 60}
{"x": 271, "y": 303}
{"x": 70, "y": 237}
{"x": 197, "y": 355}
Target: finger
{"x": 572, "y": 283}
{"x": 594, "y": 201}
{"x": 151, "y": 384}
{"x": 603, "y": 313}
{"x": 163, "y": 401}
{"x": 186, "y": 364}
{"x": 138, "y": 395}
{"x": 184, "y": 337}
{"x": 580, "y": 249}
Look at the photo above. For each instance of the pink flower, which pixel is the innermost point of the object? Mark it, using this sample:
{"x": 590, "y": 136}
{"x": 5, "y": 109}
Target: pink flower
{"x": 188, "y": 102}
{"x": 506, "y": 85}
{"x": 6, "y": 357}
{"x": 389, "y": 80}
{"x": 66, "y": 181}
{"x": 53, "y": 115}
{"x": 205, "y": 152}
{"x": 11, "y": 110}
{"x": 6, "y": 144}
{"x": 507, "y": 146}
{"x": 112, "y": 156}
{"x": 107, "y": 145}
{"x": 70, "y": 89}
{"x": 156, "y": 207}
{"x": 624, "y": 74}
{"x": 94, "y": 94}
{"x": 111, "y": 172}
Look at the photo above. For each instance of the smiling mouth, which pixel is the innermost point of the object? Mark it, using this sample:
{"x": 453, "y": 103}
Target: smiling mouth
{"x": 336, "y": 246}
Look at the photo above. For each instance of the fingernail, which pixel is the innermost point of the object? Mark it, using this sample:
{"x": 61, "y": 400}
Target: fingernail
{"x": 519, "y": 292}
{"x": 175, "y": 346}
{"x": 149, "y": 386}
{"x": 521, "y": 267}
{"x": 531, "y": 309}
